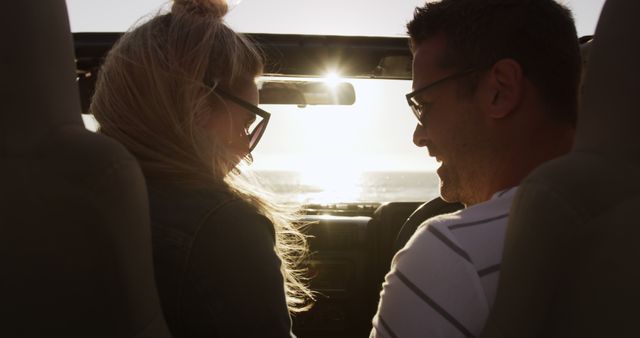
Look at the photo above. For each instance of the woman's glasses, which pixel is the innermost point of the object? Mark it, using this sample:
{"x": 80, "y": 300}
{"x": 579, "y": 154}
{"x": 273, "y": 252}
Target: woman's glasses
{"x": 257, "y": 127}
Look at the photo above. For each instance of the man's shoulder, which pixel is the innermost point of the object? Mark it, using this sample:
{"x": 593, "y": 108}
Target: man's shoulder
{"x": 430, "y": 239}
{"x": 470, "y": 233}
{"x": 493, "y": 209}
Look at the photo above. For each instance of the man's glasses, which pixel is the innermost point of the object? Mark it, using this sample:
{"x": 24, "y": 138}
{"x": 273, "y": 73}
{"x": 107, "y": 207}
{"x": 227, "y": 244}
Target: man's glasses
{"x": 257, "y": 127}
{"x": 416, "y": 107}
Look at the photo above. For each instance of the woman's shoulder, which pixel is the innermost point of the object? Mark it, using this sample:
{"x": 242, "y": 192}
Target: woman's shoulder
{"x": 183, "y": 209}
{"x": 241, "y": 218}
{"x": 190, "y": 210}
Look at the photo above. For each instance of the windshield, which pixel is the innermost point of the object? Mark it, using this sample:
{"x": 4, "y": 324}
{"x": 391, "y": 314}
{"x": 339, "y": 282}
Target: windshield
{"x": 353, "y": 153}
{"x": 314, "y": 154}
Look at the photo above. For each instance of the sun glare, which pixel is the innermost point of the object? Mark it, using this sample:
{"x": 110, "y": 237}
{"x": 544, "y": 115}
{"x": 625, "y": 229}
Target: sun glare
{"x": 334, "y": 183}
{"x": 332, "y": 79}
{"x": 329, "y": 154}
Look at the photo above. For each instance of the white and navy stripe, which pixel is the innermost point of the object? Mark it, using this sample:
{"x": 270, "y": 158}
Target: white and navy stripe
{"x": 443, "y": 282}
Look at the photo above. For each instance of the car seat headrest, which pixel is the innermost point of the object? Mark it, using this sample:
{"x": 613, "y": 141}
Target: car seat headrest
{"x": 39, "y": 90}
{"x": 608, "y": 119}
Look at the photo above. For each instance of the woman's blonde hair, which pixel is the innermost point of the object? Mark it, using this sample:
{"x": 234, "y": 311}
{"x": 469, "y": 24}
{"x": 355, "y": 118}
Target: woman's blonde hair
{"x": 158, "y": 81}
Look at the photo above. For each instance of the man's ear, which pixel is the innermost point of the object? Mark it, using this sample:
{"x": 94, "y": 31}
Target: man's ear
{"x": 506, "y": 88}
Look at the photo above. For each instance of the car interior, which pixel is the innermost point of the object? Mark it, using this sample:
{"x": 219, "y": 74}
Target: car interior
{"x": 352, "y": 245}
{"x": 74, "y": 226}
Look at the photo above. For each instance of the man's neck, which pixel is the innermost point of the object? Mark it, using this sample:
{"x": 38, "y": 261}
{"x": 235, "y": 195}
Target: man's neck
{"x": 515, "y": 162}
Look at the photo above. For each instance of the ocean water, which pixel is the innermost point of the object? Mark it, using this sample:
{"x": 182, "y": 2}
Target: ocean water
{"x": 365, "y": 187}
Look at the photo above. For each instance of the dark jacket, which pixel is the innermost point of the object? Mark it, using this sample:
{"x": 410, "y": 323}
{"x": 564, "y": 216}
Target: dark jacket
{"x": 216, "y": 269}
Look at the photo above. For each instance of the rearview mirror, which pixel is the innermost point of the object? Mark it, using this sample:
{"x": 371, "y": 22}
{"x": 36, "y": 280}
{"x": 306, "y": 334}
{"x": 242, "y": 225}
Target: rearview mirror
{"x": 304, "y": 93}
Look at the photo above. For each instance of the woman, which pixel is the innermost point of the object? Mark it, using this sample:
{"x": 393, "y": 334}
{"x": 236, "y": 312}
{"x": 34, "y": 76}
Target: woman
{"x": 178, "y": 91}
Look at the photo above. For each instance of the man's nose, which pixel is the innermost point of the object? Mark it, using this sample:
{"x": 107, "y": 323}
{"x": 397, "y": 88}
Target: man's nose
{"x": 420, "y": 136}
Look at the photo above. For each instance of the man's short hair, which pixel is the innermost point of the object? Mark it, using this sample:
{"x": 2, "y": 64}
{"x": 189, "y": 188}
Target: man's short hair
{"x": 539, "y": 34}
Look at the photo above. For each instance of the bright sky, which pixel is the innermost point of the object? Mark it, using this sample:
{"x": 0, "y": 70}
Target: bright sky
{"x": 332, "y": 17}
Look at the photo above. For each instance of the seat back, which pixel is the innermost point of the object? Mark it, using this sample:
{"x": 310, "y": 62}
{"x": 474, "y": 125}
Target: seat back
{"x": 570, "y": 266}
{"x": 74, "y": 227}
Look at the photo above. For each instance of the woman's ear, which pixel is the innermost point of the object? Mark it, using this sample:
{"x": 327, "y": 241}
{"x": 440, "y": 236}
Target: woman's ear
{"x": 506, "y": 88}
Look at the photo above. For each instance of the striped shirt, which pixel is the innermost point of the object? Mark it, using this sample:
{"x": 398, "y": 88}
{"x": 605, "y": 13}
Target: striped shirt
{"x": 443, "y": 282}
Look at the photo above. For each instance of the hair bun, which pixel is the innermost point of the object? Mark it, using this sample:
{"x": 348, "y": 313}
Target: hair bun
{"x": 217, "y": 8}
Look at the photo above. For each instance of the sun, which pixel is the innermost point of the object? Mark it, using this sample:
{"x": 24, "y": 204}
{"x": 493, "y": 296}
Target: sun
{"x": 332, "y": 79}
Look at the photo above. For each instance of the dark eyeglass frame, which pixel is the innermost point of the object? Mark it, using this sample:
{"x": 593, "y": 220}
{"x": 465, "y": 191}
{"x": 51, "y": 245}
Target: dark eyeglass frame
{"x": 416, "y": 107}
{"x": 258, "y": 131}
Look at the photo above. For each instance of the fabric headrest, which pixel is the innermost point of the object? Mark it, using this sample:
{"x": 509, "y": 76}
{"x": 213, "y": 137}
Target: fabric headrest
{"x": 609, "y": 117}
{"x": 39, "y": 91}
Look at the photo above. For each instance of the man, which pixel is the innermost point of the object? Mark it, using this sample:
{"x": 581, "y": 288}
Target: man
{"x": 495, "y": 92}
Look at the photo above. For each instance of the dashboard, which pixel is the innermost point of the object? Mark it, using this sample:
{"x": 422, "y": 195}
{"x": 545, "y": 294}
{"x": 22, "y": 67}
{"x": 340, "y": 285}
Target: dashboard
{"x": 349, "y": 257}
